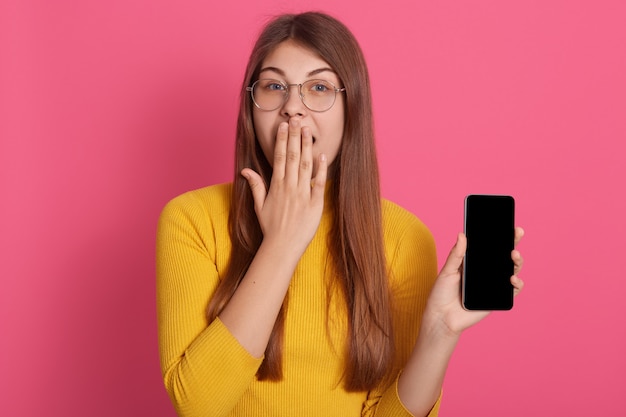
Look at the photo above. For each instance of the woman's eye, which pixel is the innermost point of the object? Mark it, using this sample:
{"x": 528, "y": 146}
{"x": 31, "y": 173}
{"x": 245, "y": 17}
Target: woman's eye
{"x": 275, "y": 87}
{"x": 320, "y": 88}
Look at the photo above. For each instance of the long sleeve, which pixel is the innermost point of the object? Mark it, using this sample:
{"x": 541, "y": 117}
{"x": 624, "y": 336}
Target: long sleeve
{"x": 205, "y": 369}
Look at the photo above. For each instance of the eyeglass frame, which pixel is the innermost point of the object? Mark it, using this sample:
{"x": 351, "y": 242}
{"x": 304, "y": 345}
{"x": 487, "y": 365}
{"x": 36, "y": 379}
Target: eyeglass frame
{"x": 287, "y": 92}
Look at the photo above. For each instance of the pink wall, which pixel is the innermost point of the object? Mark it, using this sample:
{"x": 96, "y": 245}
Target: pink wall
{"x": 109, "y": 109}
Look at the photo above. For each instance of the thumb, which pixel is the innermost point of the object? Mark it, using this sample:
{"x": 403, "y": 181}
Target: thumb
{"x": 455, "y": 258}
{"x": 257, "y": 186}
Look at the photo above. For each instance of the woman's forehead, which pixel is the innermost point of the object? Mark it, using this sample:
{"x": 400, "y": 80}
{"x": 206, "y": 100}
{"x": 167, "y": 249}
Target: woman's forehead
{"x": 290, "y": 59}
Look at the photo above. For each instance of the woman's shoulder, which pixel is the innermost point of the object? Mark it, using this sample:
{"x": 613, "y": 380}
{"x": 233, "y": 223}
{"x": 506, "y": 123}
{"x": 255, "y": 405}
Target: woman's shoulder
{"x": 212, "y": 200}
{"x": 409, "y": 243}
{"x": 398, "y": 222}
{"x": 393, "y": 212}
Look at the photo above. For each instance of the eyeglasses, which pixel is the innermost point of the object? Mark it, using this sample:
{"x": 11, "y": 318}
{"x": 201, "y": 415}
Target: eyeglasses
{"x": 317, "y": 95}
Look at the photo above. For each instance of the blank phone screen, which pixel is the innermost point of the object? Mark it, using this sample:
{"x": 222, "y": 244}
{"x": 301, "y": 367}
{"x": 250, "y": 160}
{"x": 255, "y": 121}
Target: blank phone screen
{"x": 487, "y": 267}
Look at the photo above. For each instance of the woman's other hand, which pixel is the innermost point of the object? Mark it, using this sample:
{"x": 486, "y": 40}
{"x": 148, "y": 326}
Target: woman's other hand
{"x": 444, "y": 306}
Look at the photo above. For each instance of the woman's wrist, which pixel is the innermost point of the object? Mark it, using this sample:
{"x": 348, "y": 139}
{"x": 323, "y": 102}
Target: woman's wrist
{"x": 421, "y": 381}
{"x": 435, "y": 327}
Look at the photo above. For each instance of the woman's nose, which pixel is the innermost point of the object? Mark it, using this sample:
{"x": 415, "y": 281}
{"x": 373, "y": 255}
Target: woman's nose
{"x": 293, "y": 105}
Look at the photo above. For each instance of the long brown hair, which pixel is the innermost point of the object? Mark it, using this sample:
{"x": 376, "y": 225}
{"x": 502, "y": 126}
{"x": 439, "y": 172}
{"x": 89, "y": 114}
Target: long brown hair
{"x": 356, "y": 241}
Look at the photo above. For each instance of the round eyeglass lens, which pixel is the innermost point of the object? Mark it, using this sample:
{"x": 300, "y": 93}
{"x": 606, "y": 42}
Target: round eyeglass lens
{"x": 268, "y": 94}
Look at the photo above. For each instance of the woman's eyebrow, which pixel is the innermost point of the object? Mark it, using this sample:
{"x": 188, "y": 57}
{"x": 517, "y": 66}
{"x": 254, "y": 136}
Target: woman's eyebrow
{"x": 320, "y": 70}
{"x": 309, "y": 74}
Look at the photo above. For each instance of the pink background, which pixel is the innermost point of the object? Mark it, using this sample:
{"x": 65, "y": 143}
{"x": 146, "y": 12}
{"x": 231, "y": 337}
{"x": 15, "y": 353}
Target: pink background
{"x": 109, "y": 109}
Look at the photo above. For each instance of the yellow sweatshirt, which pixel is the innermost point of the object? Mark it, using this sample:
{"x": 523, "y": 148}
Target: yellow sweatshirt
{"x": 208, "y": 373}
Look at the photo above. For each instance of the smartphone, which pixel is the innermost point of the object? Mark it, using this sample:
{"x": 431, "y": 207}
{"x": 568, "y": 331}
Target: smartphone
{"x": 487, "y": 267}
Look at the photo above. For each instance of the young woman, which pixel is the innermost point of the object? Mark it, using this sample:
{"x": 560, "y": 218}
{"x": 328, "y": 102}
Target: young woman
{"x": 296, "y": 290}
